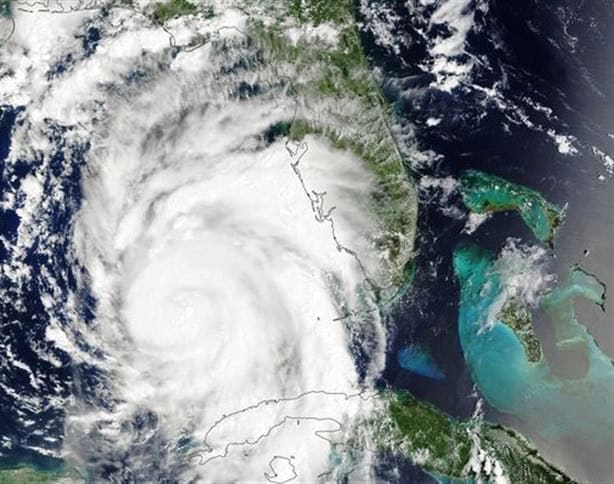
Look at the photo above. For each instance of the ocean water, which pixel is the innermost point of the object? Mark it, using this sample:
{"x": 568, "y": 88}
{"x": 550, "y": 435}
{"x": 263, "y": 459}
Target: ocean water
{"x": 40, "y": 289}
{"x": 524, "y": 91}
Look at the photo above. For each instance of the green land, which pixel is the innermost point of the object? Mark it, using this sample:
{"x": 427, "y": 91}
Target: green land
{"x": 164, "y": 11}
{"x": 332, "y": 78}
{"x": 485, "y": 193}
{"x": 28, "y": 475}
{"x": 518, "y": 318}
{"x": 447, "y": 447}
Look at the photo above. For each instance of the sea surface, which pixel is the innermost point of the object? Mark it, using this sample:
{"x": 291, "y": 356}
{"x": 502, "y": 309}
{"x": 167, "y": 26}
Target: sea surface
{"x": 522, "y": 90}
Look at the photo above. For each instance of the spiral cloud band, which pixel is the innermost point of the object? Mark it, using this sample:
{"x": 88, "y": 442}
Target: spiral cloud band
{"x": 224, "y": 263}
{"x": 226, "y": 285}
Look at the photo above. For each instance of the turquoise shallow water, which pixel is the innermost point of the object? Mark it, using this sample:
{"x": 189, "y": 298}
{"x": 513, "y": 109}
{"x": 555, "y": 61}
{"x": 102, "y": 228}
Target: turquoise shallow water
{"x": 554, "y": 406}
{"x": 418, "y": 360}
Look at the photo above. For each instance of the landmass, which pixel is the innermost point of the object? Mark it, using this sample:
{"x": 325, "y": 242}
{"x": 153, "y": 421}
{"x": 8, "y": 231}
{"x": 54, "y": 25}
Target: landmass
{"x": 164, "y": 11}
{"x": 338, "y": 98}
{"x": 515, "y": 314}
{"x": 24, "y": 474}
{"x": 472, "y": 450}
{"x": 485, "y": 193}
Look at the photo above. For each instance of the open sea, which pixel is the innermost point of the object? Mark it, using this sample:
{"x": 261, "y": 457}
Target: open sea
{"x": 528, "y": 96}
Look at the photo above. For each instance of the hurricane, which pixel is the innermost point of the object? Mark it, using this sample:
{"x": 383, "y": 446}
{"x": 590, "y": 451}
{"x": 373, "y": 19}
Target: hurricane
{"x": 305, "y": 241}
{"x": 223, "y": 261}
{"x": 219, "y": 285}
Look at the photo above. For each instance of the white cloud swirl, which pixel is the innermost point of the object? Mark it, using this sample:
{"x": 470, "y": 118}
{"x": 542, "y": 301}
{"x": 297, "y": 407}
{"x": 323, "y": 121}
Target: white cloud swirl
{"x": 206, "y": 256}
{"x": 220, "y": 269}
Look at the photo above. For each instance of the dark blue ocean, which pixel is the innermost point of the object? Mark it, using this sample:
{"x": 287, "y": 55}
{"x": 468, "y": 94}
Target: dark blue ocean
{"x": 551, "y": 65}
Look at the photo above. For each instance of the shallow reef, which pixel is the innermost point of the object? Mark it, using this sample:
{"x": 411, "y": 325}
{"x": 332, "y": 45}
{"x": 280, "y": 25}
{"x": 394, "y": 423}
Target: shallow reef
{"x": 555, "y": 406}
